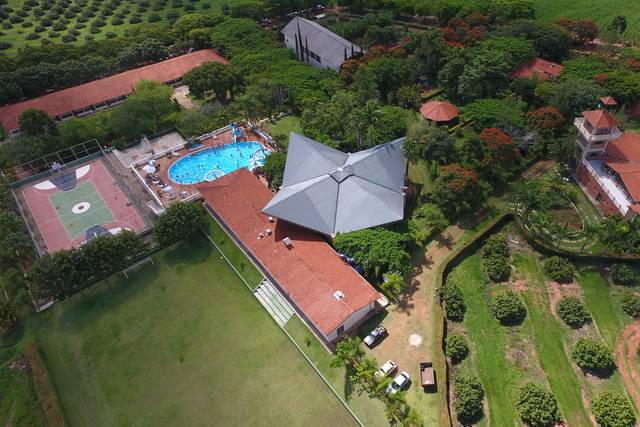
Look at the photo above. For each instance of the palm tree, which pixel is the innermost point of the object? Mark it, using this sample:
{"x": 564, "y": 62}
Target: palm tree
{"x": 371, "y": 117}
{"x": 561, "y": 231}
{"x": 348, "y": 352}
{"x": 613, "y": 230}
{"x": 589, "y": 231}
{"x": 247, "y": 106}
{"x": 393, "y": 284}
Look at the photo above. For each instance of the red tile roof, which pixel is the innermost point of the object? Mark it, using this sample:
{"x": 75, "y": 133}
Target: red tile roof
{"x": 310, "y": 272}
{"x": 608, "y": 100}
{"x": 600, "y": 119}
{"x": 439, "y": 111}
{"x": 95, "y": 92}
{"x": 537, "y": 67}
{"x": 623, "y": 156}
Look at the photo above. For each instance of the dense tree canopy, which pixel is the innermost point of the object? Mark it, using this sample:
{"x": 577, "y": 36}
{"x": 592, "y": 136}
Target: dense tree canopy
{"x": 537, "y": 406}
{"x": 179, "y": 221}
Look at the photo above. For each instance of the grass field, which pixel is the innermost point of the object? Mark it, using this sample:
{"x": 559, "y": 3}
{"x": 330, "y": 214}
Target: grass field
{"x": 182, "y": 343}
{"x": 598, "y": 296}
{"x": 16, "y": 35}
{"x": 285, "y": 126}
{"x": 488, "y": 342}
{"x": 602, "y": 12}
{"x": 548, "y": 337}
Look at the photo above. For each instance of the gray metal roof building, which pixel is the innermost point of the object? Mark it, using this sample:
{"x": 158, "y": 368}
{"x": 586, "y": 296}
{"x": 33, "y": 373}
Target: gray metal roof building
{"x": 316, "y": 45}
{"x": 333, "y": 192}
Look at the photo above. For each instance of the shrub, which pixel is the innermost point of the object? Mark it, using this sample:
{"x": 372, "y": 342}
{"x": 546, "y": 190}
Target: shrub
{"x": 26, "y": 24}
{"x": 508, "y": 308}
{"x": 623, "y": 274}
{"x": 154, "y": 17}
{"x": 456, "y": 347}
{"x": 179, "y": 221}
{"x": 593, "y": 357}
{"x": 69, "y": 38}
{"x": 53, "y": 34}
{"x": 110, "y": 35}
{"x": 468, "y": 399}
{"x": 58, "y": 26}
{"x": 135, "y": 20}
{"x": 496, "y": 245}
{"x": 631, "y": 304}
{"x": 497, "y": 267}
{"x": 558, "y": 269}
{"x": 5, "y": 45}
{"x": 117, "y": 21}
{"x": 573, "y": 312}
{"x": 613, "y": 410}
{"x": 537, "y": 406}
{"x": 32, "y": 36}
{"x": 453, "y": 302}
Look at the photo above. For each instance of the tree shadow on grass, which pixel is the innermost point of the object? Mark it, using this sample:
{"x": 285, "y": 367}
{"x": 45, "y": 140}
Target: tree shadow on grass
{"x": 194, "y": 250}
{"x": 348, "y": 385}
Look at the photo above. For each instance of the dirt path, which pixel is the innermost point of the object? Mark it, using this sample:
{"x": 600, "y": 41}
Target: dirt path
{"x": 626, "y": 348}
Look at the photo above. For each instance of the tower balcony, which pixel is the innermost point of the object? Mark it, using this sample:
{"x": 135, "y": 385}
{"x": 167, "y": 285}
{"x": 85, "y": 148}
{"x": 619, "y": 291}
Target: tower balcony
{"x": 591, "y": 135}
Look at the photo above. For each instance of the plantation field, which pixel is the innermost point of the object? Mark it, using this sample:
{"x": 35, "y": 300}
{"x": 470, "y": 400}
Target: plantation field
{"x": 74, "y": 22}
{"x": 181, "y": 343}
{"x": 539, "y": 349}
{"x": 602, "y": 12}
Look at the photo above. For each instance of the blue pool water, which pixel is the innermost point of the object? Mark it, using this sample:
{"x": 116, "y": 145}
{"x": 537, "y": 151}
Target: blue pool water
{"x": 212, "y": 163}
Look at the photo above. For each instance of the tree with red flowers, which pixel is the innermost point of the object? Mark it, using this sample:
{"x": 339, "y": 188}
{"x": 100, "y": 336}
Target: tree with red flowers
{"x": 499, "y": 146}
{"x": 457, "y": 189}
{"x": 546, "y": 120}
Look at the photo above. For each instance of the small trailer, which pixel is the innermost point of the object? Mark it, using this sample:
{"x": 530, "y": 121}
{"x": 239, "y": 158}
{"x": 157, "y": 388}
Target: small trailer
{"x": 427, "y": 375}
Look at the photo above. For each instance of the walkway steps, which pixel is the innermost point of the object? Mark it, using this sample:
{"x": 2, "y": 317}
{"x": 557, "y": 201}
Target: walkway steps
{"x": 274, "y": 302}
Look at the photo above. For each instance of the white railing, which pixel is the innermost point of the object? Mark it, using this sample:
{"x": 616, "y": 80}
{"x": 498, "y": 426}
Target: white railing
{"x": 623, "y": 209}
{"x": 590, "y": 136}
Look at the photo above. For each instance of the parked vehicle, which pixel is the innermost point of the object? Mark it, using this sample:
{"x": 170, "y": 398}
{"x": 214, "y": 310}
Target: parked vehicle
{"x": 386, "y": 369}
{"x": 399, "y": 382}
{"x": 376, "y": 335}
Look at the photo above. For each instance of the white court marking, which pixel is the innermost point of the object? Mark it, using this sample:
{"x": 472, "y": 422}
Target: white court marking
{"x": 415, "y": 340}
{"x": 80, "y": 208}
{"x": 45, "y": 185}
{"x": 82, "y": 171}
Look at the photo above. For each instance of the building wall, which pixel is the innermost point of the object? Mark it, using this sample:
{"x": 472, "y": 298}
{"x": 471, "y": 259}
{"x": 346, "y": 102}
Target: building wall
{"x": 604, "y": 204}
{"x": 290, "y": 43}
{"x": 352, "y": 321}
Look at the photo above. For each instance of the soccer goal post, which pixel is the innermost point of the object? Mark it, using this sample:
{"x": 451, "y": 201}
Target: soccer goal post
{"x": 138, "y": 265}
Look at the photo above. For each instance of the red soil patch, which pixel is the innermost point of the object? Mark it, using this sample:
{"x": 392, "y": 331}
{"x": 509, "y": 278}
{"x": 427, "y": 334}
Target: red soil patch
{"x": 626, "y": 360}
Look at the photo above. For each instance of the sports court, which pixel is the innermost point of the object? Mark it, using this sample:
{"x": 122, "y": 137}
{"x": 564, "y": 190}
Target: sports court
{"x": 73, "y": 206}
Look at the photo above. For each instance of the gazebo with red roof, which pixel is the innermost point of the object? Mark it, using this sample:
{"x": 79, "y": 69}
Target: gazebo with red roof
{"x": 439, "y": 111}
{"x": 608, "y": 102}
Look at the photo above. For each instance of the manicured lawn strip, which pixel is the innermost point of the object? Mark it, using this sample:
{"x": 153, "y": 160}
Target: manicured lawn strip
{"x": 371, "y": 412}
{"x": 19, "y": 405}
{"x": 181, "y": 343}
{"x": 285, "y": 126}
{"x": 233, "y": 253}
{"x": 602, "y": 12}
{"x": 602, "y": 305}
{"x": 550, "y": 344}
{"x": 489, "y": 341}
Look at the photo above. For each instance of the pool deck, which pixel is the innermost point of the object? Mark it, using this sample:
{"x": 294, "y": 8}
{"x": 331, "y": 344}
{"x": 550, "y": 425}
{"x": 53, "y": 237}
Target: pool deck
{"x": 189, "y": 191}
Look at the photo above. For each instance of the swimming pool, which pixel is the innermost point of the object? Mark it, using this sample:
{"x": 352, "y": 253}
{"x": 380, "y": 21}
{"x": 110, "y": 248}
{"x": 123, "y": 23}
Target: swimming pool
{"x": 211, "y": 163}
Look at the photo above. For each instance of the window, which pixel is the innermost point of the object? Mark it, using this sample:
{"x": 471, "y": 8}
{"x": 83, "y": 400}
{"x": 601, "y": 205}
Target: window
{"x": 599, "y": 198}
{"x": 340, "y": 330}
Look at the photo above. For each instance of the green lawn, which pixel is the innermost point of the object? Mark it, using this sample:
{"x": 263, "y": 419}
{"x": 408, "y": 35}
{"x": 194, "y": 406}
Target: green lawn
{"x": 600, "y": 301}
{"x": 181, "y": 343}
{"x": 285, "y": 126}
{"x": 369, "y": 411}
{"x": 488, "y": 344}
{"x": 16, "y": 35}
{"x": 602, "y": 12}
{"x": 548, "y": 337}
{"x": 19, "y": 405}
{"x": 233, "y": 253}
